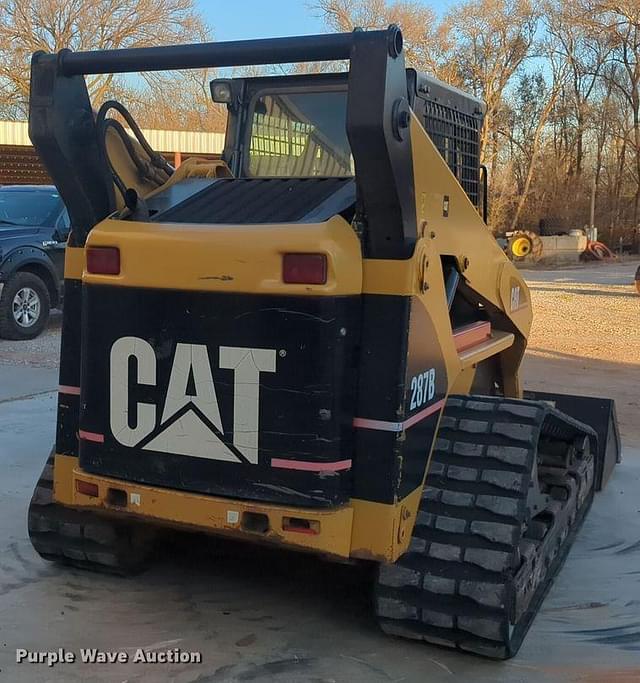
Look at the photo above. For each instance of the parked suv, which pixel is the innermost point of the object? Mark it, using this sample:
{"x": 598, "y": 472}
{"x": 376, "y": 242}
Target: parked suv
{"x": 34, "y": 226}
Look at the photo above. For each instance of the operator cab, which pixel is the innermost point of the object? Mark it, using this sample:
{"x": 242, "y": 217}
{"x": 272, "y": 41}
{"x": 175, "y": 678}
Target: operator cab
{"x": 287, "y": 151}
{"x": 287, "y": 137}
{"x": 295, "y": 126}
{"x": 286, "y": 126}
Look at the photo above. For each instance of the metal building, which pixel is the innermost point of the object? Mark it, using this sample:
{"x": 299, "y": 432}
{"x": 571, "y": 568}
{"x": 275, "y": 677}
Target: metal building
{"x": 19, "y": 163}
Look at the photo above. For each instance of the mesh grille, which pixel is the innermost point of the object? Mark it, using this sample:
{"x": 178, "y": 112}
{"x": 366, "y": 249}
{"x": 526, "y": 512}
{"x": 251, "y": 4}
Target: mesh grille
{"x": 456, "y": 136}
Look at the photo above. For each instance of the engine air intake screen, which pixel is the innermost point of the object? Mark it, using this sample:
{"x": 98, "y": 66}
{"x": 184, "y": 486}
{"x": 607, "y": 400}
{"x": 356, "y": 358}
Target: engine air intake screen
{"x": 264, "y": 200}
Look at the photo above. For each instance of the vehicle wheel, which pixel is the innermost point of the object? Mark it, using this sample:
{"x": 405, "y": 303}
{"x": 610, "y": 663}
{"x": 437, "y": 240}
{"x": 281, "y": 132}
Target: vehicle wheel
{"x": 524, "y": 244}
{"x": 24, "y": 307}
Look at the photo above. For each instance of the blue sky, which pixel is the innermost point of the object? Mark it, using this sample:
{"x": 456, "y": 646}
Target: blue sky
{"x": 265, "y": 19}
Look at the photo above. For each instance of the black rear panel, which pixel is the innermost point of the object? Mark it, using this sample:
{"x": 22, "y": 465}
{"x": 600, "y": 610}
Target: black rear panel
{"x": 195, "y": 439}
{"x": 264, "y": 200}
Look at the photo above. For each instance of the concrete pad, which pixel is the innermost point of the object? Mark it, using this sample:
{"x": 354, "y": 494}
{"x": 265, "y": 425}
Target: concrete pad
{"x": 18, "y": 381}
{"x": 261, "y": 615}
{"x": 592, "y": 272}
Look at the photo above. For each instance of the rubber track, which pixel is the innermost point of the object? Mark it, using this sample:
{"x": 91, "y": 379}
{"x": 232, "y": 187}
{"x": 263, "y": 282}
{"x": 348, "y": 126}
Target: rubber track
{"x": 455, "y": 585}
{"x": 82, "y": 538}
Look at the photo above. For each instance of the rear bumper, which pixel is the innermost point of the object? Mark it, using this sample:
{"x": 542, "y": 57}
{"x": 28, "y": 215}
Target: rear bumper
{"x": 358, "y": 529}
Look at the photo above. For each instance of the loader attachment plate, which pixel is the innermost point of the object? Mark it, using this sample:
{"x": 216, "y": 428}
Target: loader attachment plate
{"x": 600, "y": 415}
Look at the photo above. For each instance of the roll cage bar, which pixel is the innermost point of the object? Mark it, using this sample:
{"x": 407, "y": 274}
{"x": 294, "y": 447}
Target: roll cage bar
{"x": 62, "y": 126}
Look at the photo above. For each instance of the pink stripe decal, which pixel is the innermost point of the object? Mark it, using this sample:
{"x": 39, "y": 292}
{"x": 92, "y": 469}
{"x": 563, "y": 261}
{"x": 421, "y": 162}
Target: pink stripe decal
{"x": 384, "y": 426}
{"x": 429, "y": 410}
{"x": 91, "y": 436}
{"x": 311, "y": 466}
{"x": 380, "y": 425}
{"x": 67, "y": 389}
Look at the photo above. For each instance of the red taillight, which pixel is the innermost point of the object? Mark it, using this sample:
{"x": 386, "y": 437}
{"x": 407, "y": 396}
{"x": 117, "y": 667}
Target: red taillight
{"x": 304, "y": 269}
{"x": 87, "y": 488}
{"x": 103, "y": 260}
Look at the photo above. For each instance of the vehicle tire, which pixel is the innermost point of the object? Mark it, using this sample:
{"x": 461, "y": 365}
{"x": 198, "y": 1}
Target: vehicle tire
{"x": 524, "y": 244}
{"x": 546, "y": 230}
{"x": 24, "y": 307}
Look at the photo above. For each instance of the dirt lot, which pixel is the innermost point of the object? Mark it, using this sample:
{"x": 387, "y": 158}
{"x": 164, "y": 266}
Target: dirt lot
{"x": 37, "y": 353}
{"x": 592, "y": 311}
{"x": 586, "y": 336}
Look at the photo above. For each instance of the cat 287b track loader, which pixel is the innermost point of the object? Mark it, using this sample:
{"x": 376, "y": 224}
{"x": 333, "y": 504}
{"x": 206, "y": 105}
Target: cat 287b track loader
{"x": 313, "y": 341}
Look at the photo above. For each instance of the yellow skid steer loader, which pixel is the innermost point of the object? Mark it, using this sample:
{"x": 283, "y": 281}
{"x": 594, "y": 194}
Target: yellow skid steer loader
{"x": 313, "y": 341}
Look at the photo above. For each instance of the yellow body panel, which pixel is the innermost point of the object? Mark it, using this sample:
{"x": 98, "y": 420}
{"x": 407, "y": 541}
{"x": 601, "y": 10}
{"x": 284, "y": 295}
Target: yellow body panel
{"x": 383, "y": 532}
{"x": 461, "y": 233}
{"x": 380, "y": 276}
{"x": 231, "y": 258}
{"x": 74, "y": 263}
{"x": 361, "y": 529}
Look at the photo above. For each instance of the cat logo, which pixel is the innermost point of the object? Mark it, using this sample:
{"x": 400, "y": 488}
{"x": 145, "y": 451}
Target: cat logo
{"x": 190, "y": 423}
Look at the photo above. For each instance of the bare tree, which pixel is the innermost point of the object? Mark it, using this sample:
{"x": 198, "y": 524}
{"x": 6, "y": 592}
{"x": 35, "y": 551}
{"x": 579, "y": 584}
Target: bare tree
{"x": 183, "y": 102}
{"x": 30, "y": 25}
{"x": 573, "y": 40}
{"x": 428, "y": 44}
{"x": 564, "y": 142}
{"x": 620, "y": 21}
{"x": 539, "y": 107}
{"x": 494, "y": 38}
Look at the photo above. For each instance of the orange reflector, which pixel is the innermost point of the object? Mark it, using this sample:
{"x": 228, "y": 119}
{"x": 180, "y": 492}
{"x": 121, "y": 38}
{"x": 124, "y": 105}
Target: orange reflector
{"x": 304, "y": 269}
{"x": 301, "y": 526}
{"x": 87, "y": 488}
{"x": 103, "y": 260}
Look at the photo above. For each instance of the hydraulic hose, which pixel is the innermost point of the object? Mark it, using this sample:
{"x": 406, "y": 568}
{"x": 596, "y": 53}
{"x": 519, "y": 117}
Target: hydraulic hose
{"x": 156, "y": 168}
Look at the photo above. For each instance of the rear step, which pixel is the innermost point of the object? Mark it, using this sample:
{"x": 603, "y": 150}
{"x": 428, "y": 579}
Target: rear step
{"x": 509, "y": 484}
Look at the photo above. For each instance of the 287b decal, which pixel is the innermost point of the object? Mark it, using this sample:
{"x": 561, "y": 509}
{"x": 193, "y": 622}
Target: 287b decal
{"x": 423, "y": 388}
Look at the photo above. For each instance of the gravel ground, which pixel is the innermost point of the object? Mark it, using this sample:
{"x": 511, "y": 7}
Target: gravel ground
{"x": 592, "y": 311}
{"x": 585, "y": 338}
{"x": 39, "y": 353}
